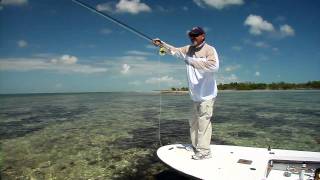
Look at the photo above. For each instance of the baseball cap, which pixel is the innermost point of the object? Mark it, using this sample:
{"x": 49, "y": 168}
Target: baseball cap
{"x": 196, "y": 31}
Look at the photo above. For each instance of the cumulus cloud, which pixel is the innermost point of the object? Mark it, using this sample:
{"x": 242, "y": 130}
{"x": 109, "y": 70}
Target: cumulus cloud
{"x": 232, "y": 68}
{"x": 227, "y": 78}
{"x": 286, "y": 30}
{"x": 261, "y": 44}
{"x": 22, "y": 43}
{"x": 125, "y": 6}
{"x": 146, "y": 72}
{"x": 104, "y": 7}
{"x": 125, "y": 69}
{"x": 218, "y": 4}
{"x": 258, "y": 24}
{"x": 138, "y": 53}
{"x": 14, "y": 2}
{"x": 64, "y": 64}
{"x": 131, "y": 58}
{"x": 133, "y": 6}
{"x": 149, "y": 46}
{"x": 141, "y": 67}
{"x": 65, "y": 59}
{"x": 163, "y": 79}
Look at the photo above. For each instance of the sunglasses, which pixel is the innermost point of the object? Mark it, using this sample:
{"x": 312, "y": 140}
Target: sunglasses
{"x": 194, "y": 35}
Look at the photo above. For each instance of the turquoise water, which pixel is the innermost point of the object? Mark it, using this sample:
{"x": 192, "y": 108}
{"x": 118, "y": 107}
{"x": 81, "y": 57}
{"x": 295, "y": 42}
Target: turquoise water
{"x": 115, "y": 135}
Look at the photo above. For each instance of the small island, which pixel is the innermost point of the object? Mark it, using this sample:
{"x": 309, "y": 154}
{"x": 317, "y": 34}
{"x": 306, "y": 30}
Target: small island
{"x": 311, "y": 85}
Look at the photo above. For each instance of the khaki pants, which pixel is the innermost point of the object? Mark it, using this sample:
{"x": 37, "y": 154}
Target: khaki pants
{"x": 200, "y": 125}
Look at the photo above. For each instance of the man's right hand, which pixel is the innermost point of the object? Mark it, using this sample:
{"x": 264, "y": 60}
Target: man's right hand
{"x": 157, "y": 42}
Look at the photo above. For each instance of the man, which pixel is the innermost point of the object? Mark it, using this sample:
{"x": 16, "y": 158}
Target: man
{"x": 202, "y": 62}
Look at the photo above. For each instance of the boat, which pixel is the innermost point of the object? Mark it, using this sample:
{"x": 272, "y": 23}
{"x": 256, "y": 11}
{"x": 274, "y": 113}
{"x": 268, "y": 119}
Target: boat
{"x": 243, "y": 163}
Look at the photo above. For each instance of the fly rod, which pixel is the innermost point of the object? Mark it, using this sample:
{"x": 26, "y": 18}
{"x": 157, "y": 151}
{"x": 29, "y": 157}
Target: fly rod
{"x": 114, "y": 20}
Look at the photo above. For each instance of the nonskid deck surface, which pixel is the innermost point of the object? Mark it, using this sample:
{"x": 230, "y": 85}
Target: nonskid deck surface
{"x": 230, "y": 162}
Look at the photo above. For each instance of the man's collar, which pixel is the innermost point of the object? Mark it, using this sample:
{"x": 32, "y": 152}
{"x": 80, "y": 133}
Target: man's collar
{"x": 200, "y": 45}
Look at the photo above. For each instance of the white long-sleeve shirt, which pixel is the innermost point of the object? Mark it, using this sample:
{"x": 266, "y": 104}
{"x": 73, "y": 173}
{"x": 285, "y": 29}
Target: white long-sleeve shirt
{"x": 201, "y": 62}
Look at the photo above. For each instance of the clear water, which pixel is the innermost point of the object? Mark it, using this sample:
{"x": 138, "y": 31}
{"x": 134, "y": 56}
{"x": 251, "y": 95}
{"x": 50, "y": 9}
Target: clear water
{"x": 115, "y": 135}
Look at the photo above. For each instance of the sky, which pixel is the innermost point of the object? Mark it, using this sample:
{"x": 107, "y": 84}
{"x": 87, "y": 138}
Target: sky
{"x": 53, "y": 46}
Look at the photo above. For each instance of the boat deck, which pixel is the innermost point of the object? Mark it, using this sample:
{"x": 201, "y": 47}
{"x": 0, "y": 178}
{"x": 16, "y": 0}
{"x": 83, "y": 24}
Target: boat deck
{"x": 235, "y": 162}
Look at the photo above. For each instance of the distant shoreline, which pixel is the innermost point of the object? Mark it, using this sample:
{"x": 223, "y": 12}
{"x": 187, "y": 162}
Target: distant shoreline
{"x": 249, "y": 86}
{"x": 235, "y": 90}
{"x": 173, "y": 92}
{"x": 156, "y": 91}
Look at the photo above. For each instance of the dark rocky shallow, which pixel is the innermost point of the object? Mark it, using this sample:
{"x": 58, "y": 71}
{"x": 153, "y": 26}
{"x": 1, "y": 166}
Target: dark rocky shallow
{"x": 115, "y": 135}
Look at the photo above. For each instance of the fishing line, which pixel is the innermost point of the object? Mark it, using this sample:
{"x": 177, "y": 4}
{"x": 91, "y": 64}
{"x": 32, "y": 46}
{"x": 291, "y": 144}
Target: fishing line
{"x": 162, "y": 50}
{"x": 160, "y": 103}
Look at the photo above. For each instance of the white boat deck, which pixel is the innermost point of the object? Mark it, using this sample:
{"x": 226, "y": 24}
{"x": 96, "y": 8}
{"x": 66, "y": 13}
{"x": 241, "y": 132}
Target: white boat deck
{"x": 225, "y": 164}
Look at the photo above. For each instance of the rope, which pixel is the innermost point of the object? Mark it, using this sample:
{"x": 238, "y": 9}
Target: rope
{"x": 160, "y": 103}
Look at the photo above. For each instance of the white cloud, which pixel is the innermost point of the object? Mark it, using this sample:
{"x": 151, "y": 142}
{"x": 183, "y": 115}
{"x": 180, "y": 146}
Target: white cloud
{"x": 125, "y": 6}
{"x": 257, "y": 73}
{"x": 44, "y": 55}
{"x": 227, "y": 78}
{"x": 141, "y": 66}
{"x": 131, "y": 58}
{"x": 261, "y": 44}
{"x": 14, "y": 2}
{"x": 65, "y": 59}
{"x": 139, "y": 53}
{"x": 133, "y": 6}
{"x": 104, "y": 7}
{"x": 64, "y": 64}
{"x": 125, "y": 69}
{"x": 149, "y": 46}
{"x": 258, "y": 24}
{"x": 232, "y": 68}
{"x": 218, "y": 4}
{"x": 22, "y": 43}
{"x": 145, "y": 72}
{"x": 163, "y": 79}
{"x": 286, "y": 30}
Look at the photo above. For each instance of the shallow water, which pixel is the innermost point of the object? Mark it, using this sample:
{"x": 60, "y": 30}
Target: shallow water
{"x": 115, "y": 135}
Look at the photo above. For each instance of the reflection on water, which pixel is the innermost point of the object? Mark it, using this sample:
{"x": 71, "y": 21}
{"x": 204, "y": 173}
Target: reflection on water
{"x": 115, "y": 135}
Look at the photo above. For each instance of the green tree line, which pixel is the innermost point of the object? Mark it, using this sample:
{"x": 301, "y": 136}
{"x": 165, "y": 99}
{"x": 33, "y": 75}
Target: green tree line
{"x": 262, "y": 86}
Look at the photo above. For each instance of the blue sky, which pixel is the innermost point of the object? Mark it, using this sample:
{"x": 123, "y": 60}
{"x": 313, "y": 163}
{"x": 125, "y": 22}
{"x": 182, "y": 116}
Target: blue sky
{"x": 58, "y": 46}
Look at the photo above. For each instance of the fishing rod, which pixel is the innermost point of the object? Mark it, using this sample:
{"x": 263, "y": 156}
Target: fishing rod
{"x": 114, "y": 20}
{"x": 162, "y": 50}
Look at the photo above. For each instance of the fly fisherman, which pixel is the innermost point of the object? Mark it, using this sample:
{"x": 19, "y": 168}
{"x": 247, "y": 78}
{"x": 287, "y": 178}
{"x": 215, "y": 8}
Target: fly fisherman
{"x": 201, "y": 62}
